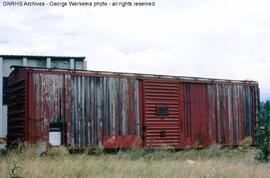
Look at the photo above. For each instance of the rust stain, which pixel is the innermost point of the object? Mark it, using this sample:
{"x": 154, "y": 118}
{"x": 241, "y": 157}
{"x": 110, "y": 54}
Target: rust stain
{"x": 129, "y": 110}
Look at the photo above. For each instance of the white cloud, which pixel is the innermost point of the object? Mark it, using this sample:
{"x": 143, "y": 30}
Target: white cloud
{"x": 210, "y": 38}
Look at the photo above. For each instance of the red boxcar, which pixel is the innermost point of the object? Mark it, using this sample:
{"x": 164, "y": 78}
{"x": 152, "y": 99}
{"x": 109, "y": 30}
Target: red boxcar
{"x": 120, "y": 110}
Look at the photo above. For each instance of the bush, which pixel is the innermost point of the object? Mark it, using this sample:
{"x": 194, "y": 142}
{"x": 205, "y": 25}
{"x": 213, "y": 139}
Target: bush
{"x": 246, "y": 142}
{"x": 137, "y": 153}
{"x": 25, "y": 150}
{"x": 95, "y": 150}
{"x": 260, "y": 156}
{"x": 17, "y": 149}
{"x": 3, "y": 151}
{"x": 168, "y": 148}
{"x": 134, "y": 153}
{"x": 161, "y": 154}
{"x": 15, "y": 154}
{"x": 263, "y": 132}
{"x": 14, "y": 169}
{"x": 213, "y": 151}
{"x": 57, "y": 152}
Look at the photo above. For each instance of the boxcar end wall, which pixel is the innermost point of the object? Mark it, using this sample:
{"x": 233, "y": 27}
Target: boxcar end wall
{"x": 83, "y": 108}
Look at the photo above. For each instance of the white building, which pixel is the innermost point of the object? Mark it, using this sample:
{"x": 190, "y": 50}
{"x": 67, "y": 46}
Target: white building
{"x": 6, "y": 61}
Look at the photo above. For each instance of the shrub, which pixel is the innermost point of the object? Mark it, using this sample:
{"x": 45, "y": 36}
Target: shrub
{"x": 57, "y": 152}
{"x": 25, "y": 150}
{"x": 137, "y": 153}
{"x": 90, "y": 150}
{"x": 14, "y": 169}
{"x": 2, "y": 151}
{"x": 134, "y": 153}
{"x": 17, "y": 149}
{"x": 13, "y": 164}
{"x": 95, "y": 150}
{"x": 160, "y": 154}
{"x": 263, "y": 132}
{"x": 168, "y": 148}
{"x": 260, "y": 156}
{"x": 246, "y": 142}
{"x": 99, "y": 150}
{"x": 213, "y": 151}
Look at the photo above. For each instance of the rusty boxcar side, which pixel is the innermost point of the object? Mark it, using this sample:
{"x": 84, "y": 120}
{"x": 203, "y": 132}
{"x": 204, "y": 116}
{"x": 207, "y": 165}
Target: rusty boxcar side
{"x": 125, "y": 110}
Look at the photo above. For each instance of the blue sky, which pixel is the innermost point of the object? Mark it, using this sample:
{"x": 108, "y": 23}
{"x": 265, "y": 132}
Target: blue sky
{"x": 207, "y": 38}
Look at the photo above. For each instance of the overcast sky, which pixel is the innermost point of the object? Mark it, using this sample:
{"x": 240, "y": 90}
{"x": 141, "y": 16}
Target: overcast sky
{"x": 206, "y": 38}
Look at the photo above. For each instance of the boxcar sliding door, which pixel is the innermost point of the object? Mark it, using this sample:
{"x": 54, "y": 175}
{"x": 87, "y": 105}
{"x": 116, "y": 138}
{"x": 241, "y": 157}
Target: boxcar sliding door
{"x": 162, "y": 125}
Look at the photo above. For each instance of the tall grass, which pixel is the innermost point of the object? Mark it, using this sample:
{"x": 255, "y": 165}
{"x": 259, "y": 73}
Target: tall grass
{"x": 212, "y": 162}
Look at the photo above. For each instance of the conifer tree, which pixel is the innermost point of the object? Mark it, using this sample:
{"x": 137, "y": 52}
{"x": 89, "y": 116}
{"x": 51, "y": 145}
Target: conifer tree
{"x": 263, "y": 132}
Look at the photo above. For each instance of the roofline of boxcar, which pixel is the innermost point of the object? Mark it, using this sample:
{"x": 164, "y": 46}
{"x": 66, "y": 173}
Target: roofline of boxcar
{"x": 139, "y": 75}
{"x": 5, "y": 56}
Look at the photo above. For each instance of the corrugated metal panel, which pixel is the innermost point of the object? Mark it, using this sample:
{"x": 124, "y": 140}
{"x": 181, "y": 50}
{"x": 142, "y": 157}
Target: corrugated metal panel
{"x": 161, "y": 128}
{"x": 17, "y": 107}
{"x": 95, "y": 108}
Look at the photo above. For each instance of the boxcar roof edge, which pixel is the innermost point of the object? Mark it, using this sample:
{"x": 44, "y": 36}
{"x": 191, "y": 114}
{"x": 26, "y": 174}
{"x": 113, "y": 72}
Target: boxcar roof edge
{"x": 140, "y": 75}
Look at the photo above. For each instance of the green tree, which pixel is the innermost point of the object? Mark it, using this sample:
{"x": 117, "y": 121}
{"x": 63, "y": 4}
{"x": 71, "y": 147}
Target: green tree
{"x": 263, "y": 132}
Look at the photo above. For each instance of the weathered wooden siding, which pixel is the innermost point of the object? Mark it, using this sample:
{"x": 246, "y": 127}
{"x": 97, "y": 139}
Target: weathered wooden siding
{"x": 219, "y": 113}
{"x": 129, "y": 109}
{"x": 87, "y": 107}
{"x": 49, "y": 103}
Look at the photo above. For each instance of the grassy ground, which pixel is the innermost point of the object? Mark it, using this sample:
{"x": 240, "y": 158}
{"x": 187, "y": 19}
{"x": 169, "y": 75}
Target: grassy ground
{"x": 212, "y": 162}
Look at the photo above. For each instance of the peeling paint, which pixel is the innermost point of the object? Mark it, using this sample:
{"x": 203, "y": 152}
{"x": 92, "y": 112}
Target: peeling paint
{"x": 124, "y": 110}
